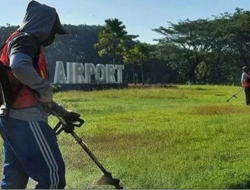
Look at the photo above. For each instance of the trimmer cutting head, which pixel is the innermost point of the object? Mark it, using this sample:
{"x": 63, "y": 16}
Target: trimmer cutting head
{"x": 108, "y": 180}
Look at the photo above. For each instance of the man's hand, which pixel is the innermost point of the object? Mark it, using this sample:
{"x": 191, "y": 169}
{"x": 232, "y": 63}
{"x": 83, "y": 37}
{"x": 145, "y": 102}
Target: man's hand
{"x": 70, "y": 117}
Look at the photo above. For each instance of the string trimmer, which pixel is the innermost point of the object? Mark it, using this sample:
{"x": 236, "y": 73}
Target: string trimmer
{"x": 234, "y": 95}
{"x": 107, "y": 178}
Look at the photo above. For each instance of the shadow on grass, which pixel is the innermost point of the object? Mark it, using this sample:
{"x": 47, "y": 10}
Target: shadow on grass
{"x": 218, "y": 94}
{"x": 243, "y": 185}
{"x": 202, "y": 89}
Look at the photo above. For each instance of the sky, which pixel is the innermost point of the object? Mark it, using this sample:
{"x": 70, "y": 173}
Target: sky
{"x": 139, "y": 16}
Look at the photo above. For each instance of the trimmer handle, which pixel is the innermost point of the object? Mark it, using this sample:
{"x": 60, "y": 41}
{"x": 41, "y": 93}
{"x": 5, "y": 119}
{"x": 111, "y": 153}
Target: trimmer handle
{"x": 59, "y": 126}
{"x": 78, "y": 123}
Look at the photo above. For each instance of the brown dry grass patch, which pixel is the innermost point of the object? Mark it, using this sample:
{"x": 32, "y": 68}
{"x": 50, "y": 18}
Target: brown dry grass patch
{"x": 219, "y": 109}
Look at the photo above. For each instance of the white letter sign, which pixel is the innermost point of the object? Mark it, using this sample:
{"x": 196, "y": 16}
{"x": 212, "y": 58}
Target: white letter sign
{"x": 79, "y": 73}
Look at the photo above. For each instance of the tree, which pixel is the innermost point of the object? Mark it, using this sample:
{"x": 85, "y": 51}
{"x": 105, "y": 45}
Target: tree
{"x": 131, "y": 56}
{"x": 191, "y": 38}
{"x": 5, "y": 31}
{"x": 239, "y": 38}
{"x": 111, "y": 39}
{"x": 139, "y": 54}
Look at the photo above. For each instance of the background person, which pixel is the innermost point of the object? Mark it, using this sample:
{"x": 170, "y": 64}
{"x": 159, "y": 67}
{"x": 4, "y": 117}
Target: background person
{"x": 245, "y": 81}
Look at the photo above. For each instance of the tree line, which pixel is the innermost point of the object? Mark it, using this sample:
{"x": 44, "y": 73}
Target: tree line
{"x": 211, "y": 50}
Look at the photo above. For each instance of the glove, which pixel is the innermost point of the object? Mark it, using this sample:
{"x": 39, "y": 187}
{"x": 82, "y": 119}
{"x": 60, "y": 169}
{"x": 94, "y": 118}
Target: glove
{"x": 70, "y": 117}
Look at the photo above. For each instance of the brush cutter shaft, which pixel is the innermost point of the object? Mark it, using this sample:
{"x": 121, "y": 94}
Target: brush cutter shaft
{"x": 87, "y": 150}
{"x": 234, "y": 96}
{"x": 109, "y": 180}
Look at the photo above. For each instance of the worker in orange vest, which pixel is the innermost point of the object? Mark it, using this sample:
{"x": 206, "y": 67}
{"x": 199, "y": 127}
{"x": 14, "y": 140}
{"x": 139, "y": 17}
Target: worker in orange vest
{"x": 245, "y": 80}
{"x": 29, "y": 144}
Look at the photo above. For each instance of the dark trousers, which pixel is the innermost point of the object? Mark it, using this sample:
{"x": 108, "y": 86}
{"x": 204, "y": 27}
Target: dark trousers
{"x": 31, "y": 150}
{"x": 247, "y": 94}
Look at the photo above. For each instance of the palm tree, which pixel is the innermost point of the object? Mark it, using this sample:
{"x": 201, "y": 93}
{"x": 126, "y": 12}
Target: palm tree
{"x": 111, "y": 39}
{"x": 142, "y": 53}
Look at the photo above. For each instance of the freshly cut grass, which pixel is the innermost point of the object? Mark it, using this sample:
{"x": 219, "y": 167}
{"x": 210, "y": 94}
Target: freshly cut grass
{"x": 158, "y": 138}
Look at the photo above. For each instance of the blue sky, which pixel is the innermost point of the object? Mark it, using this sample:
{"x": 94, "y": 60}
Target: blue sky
{"x": 139, "y": 16}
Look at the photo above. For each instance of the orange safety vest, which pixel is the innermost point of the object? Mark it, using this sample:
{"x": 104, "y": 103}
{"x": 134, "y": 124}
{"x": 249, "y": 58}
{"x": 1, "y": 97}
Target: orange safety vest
{"x": 24, "y": 96}
{"x": 245, "y": 83}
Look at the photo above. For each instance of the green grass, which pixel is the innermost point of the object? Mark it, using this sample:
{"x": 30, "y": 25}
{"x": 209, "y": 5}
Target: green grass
{"x": 158, "y": 138}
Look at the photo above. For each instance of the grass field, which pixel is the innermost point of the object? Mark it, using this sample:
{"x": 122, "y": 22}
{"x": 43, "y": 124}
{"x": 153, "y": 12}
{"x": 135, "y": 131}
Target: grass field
{"x": 158, "y": 138}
